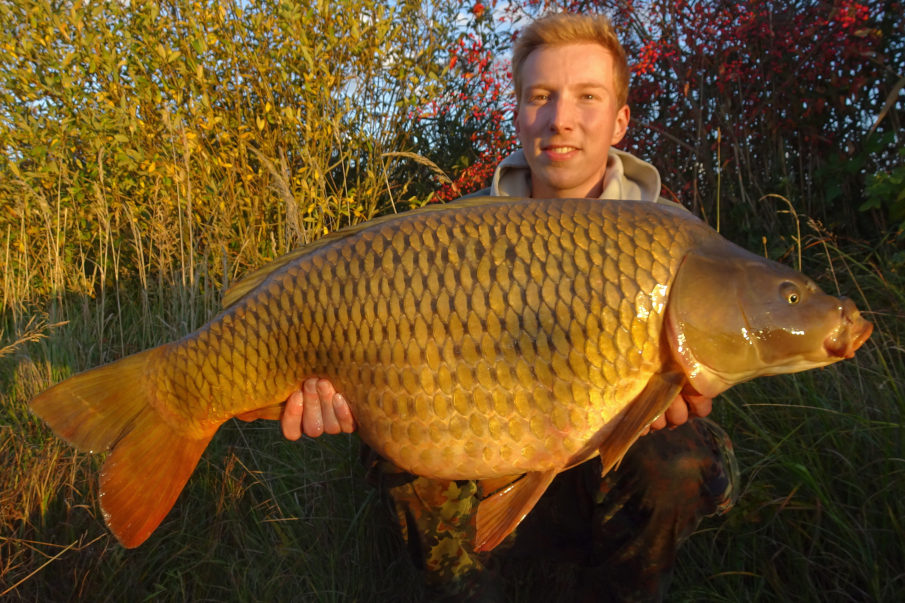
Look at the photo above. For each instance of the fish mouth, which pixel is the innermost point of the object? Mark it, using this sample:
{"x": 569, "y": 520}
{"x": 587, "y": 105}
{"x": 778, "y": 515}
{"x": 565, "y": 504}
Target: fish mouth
{"x": 851, "y": 334}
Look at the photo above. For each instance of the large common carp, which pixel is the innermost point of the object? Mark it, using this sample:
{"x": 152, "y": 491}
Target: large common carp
{"x": 477, "y": 340}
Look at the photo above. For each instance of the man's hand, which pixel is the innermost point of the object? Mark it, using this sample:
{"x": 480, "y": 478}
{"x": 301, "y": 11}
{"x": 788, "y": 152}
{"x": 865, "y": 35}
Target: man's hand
{"x": 316, "y": 409}
{"x": 682, "y": 408}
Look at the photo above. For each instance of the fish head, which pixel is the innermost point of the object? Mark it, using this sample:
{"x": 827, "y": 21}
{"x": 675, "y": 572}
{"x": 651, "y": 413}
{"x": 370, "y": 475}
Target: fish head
{"x": 733, "y": 316}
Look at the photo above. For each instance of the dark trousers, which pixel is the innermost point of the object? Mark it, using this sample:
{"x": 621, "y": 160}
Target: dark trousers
{"x": 623, "y": 529}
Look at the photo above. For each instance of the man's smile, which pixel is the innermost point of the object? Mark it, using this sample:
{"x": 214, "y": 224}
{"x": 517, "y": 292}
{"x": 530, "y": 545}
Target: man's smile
{"x": 559, "y": 152}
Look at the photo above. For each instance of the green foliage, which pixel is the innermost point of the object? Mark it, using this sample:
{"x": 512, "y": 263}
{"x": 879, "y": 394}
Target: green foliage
{"x": 886, "y": 190}
{"x": 136, "y": 135}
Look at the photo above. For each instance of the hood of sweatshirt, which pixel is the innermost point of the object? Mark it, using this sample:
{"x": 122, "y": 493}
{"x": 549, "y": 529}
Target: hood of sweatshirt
{"x": 627, "y": 177}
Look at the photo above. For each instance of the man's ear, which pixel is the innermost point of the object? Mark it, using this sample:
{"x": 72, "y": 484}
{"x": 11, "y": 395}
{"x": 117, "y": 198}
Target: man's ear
{"x": 623, "y": 116}
{"x": 515, "y": 121}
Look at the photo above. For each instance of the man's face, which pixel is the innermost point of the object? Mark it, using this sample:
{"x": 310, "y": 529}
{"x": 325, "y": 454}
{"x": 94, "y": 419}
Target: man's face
{"x": 568, "y": 117}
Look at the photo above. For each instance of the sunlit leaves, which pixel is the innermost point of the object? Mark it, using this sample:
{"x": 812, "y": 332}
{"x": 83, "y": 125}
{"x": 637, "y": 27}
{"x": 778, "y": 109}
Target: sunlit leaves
{"x": 234, "y": 113}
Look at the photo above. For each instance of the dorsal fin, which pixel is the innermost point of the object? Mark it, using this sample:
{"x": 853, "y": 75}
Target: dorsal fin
{"x": 251, "y": 280}
{"x": 254, "y": 278}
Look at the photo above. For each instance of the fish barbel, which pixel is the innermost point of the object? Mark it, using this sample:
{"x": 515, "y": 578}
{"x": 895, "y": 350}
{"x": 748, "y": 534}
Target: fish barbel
{"x": 481, "y": 339}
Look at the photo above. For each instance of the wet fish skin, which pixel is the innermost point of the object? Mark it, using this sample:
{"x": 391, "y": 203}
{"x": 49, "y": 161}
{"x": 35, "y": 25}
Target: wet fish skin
{"x": 495, "y": 338}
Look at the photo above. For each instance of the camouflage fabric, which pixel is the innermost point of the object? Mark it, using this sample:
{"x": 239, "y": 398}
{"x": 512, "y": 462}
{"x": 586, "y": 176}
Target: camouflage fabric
{"x": 623, "y": 530}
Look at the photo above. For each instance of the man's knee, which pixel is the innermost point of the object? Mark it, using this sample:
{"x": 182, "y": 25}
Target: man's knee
{"x": 691, "y": 466}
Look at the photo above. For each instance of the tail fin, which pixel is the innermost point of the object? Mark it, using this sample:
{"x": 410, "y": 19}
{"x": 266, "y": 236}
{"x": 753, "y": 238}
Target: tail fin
{"x": 110, "y": 407}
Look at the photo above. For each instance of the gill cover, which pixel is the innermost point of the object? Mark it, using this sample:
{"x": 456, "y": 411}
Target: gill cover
{"x": 734, "y": 316}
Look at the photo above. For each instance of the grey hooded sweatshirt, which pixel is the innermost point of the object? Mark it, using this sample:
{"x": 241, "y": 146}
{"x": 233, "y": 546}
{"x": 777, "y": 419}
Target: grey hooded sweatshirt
{"x": 627, "y": 177}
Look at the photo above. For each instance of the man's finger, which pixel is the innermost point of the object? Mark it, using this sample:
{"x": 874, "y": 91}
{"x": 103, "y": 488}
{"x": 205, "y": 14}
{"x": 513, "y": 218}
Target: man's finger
{"x": 343, "y": 414}
{"x": 312, "y": 414}
{"x": 325, "y": 394}
{"x": 657, "y": 424}
{"x": 699, "y": 406}
{"x": 677, "y": 413}
{"x": 291, "y": 419}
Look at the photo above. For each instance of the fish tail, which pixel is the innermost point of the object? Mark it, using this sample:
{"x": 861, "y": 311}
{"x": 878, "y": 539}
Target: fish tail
{"x": 112, "y": 408}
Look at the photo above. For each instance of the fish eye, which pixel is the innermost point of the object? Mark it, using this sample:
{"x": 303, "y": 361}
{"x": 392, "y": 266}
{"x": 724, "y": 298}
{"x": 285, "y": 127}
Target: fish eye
{"x": 790, "y": 292}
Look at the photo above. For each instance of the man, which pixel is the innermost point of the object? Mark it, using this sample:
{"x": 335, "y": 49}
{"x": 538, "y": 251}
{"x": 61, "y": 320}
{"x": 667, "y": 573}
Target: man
{"x": 571, "y": 83}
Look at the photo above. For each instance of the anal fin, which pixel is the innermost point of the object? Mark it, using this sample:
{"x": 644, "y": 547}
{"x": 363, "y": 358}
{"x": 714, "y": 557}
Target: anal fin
{"x": 503, "y": 510}
{"x": 490, "y": 486}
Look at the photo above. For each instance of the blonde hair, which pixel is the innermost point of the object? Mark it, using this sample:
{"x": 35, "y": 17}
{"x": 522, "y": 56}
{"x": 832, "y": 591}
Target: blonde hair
{"x": 566, "y": 28}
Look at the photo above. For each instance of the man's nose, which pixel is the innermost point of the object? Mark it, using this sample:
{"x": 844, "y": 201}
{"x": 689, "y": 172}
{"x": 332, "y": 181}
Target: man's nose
{"x": 563, "y": 115}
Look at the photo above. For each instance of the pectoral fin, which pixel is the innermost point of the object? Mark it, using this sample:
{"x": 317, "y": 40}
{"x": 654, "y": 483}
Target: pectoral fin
{"x": 503, "y": 510}
{"x": 653, "y": 401}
